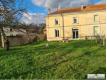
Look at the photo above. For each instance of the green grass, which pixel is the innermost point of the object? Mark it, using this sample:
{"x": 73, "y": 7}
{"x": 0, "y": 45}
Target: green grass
{"x": 73, "y": 60}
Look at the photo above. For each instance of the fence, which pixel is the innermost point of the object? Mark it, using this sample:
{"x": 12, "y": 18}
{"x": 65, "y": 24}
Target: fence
{"x": 99, "y": 39}
{"x": 24, "y": 39}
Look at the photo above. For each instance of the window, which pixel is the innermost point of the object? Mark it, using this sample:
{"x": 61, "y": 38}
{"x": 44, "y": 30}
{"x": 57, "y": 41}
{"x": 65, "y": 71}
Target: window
{"x": 96, "y": 30}
{"x": 56, "y": 33}
{"x": 75, "y": 33}
{"x": 11, "y": 29}
{"x": 56, "y": 22}
{"x": 96, "y": 18}
{"x": 75, "y": 20}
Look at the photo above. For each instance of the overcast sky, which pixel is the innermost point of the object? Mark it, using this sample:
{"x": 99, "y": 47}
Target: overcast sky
{"x": 38, "y": 9}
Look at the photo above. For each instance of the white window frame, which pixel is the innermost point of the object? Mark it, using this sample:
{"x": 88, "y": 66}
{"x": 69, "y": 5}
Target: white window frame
{"x": 76, "y": 20}
{"x": 57, "y": 33}
{"x": 95, "y": 18}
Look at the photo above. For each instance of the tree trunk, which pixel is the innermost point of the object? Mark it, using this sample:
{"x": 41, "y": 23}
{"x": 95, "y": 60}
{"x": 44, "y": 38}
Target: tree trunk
{"x": 3, "y": 37}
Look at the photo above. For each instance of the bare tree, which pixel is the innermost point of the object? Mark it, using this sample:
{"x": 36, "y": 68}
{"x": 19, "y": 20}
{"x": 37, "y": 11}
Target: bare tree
{"x": 9, "y": 14}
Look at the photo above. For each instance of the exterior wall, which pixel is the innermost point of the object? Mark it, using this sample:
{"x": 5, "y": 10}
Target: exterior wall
{"x": 18, "y": 40}
{"x": 85, "y": 24}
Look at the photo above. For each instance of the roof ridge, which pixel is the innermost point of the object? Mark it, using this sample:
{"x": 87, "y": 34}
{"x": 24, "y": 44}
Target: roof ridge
{"x": 78, "y": 8}
{"x": 84, "y": 5}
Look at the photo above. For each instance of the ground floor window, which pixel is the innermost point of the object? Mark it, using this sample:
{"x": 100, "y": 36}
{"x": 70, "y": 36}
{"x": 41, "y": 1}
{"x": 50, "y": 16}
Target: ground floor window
{"x": 96, "y": 30}
{"x": 75, "y": 33}
{"x": 56, "y": 33}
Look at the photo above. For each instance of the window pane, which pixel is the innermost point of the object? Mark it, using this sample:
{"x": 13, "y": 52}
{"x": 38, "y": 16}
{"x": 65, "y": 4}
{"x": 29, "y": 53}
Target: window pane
{"x": 56, "y": 22}
{"x": 96, "y": 18}
{"x": 96, "y": 30}
{"x": 75, "y": 33}
{"x": 56, "y": 33}
{"x": 74, "y": 20}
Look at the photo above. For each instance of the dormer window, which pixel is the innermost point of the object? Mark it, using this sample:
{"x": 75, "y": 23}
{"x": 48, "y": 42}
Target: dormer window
{"x": 75, "y": 20}
{"x": 56, "y": 22}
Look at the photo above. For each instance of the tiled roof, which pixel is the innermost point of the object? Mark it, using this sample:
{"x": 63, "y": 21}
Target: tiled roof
{"x": 80, "y": 9}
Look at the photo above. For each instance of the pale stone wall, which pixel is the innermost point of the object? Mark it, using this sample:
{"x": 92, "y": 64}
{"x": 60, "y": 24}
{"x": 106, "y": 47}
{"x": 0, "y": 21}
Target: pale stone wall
{"x": 85, "y": 24}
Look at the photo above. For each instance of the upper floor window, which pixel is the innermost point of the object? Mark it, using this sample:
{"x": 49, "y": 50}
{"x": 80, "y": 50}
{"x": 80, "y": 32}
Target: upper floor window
{"x": 96, "y": 18}
{"x": 56, "y": 33}
{"x": 75, "y": 20}
{"x": 56, "y": 22}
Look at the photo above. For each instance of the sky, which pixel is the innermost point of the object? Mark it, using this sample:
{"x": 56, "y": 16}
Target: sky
{"x": 38, "y": 9}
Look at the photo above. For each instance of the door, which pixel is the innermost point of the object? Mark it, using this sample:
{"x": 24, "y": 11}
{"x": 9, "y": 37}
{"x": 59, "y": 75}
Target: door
{"x": 75, "y": 33}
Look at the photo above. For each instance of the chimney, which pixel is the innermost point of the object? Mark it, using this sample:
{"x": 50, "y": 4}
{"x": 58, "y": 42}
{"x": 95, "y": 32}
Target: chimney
{"x": 49, "y": 11}
{"x": 59, "y": 7}
{"x": 83, "y": 7}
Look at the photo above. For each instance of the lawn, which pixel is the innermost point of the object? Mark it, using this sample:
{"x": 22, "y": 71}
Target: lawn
{"x": 72, "y": 60}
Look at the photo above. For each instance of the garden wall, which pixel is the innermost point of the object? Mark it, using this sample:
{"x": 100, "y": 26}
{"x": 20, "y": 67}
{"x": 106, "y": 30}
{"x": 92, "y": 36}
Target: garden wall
{"x": 20, "y": 40}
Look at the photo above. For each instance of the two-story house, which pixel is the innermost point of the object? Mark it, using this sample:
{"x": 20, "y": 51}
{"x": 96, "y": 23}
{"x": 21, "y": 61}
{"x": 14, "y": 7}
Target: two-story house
{"x": 76, "y": 23}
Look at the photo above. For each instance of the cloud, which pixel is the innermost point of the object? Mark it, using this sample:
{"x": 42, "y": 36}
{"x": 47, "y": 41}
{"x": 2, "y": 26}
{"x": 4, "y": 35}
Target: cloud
{"x": 39, "y": 2}
{"x": 101, "y": 2}
{"x": 53, "y": 5}
{"x": 61, "y": 3}
{"x": 33, "y": 18}
{"x": 27, "y": 16}
{"x": 74, "y": 3}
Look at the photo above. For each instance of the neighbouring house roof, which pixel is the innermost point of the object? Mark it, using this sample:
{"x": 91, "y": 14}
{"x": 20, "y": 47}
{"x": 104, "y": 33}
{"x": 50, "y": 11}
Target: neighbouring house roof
{"x": 81, "y": 9}
{"x": 14, "y": 32}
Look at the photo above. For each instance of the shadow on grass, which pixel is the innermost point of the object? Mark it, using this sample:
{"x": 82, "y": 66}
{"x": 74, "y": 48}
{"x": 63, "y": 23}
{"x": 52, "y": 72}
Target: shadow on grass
{"x": 12, "y": 51}
{"x": 101, "y": 70}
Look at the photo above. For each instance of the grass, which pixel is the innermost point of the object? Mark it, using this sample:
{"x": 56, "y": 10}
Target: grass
{"x": 73, "y": 60}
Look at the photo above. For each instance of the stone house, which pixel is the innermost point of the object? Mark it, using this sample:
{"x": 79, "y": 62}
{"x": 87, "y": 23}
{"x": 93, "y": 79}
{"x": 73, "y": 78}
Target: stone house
{"x": 76, "y": 23}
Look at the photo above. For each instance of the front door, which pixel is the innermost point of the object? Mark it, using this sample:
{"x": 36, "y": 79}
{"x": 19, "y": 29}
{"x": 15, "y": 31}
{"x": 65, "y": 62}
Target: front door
{"x": 75, "y": 33}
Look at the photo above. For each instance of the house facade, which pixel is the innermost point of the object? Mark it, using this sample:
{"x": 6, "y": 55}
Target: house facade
{"x": 76, "y": 23}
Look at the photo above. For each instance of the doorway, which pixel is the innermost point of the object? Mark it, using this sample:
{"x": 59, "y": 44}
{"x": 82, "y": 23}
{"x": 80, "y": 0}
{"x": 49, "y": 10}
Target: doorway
{"x": 75, "y": 33}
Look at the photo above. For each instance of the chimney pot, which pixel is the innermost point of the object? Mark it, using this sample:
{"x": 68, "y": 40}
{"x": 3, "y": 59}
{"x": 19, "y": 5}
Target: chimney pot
{"x": 83, "y": 7}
